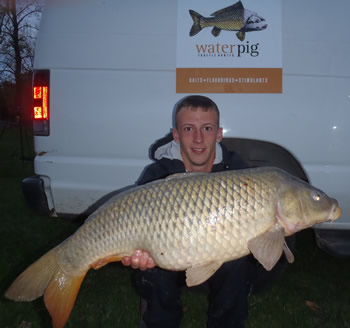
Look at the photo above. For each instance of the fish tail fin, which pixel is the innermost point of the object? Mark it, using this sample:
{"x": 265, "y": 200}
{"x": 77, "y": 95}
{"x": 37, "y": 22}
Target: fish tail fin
{"x": 196, "y": 27}
{"x": 45, "y": 277}
{"x": 60, "y": 298}
{"x": 32, "y": 283}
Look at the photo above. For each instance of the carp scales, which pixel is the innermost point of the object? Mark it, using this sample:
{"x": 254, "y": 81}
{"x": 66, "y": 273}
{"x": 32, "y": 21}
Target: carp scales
{"x": 192, "y": 221}
{"x": 232, "y": 18}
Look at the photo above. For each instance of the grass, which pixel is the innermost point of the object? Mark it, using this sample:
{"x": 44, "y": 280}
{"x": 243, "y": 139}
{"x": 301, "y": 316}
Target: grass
{"x": 313, "y": 292}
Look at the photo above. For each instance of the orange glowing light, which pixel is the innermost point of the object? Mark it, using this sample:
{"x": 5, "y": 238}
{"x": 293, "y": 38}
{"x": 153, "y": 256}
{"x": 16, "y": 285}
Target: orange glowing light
{"x": 37, "y": 92}
{"x": 41, "y": 112}
{"x": 45, "y": 103}
{"x": 38, "y": 113}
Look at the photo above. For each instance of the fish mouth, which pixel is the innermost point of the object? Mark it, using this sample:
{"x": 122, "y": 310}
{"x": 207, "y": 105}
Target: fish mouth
{"x": 262, "y": 27}
{"x": 254, "y": 27}
{"x": 335, "y": 213}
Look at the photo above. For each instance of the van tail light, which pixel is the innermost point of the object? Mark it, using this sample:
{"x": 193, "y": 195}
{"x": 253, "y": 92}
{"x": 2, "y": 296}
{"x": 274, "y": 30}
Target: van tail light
{"x": 41, "y": 102}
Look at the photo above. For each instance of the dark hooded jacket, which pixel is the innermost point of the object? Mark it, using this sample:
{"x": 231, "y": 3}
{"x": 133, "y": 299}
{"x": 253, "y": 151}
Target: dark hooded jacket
{"x": 167, "y": 160}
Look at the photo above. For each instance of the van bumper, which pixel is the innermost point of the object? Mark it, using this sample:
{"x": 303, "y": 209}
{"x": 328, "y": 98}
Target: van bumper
{"x": 335, "y": 242}
{"x": 34, "y": 192}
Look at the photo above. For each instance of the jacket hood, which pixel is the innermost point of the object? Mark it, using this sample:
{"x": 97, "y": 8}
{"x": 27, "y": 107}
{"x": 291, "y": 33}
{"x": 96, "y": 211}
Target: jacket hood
{"x": 167, "y": 160}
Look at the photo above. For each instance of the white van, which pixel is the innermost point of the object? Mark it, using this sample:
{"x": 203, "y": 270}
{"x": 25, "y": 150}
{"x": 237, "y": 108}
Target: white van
{"x": 105, "y": 87}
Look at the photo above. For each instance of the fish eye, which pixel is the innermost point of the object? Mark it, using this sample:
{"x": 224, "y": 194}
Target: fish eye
{"x": 253, "y": 19}
{"x": 316, "y": 197}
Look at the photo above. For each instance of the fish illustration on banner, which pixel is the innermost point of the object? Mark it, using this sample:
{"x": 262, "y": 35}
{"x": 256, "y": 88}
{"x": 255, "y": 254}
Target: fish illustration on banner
{"x": 232, "y": 18}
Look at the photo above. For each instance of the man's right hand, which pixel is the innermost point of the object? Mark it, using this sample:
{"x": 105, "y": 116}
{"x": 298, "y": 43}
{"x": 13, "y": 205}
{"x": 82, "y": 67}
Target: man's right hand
{"x": 140, "y": 259}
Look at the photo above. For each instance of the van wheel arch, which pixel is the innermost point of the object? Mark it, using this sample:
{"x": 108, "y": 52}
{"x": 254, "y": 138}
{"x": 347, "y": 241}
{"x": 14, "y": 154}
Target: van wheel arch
{"x": 258, "y": 153}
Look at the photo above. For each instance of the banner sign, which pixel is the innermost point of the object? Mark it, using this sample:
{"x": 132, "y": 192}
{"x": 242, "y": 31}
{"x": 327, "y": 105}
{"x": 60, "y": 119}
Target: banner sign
{"x": 229, "y": 48}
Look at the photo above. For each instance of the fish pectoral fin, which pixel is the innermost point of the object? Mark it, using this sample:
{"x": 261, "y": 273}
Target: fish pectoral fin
{"x": 288, "y": 253}
{"x": 198, "y": 274}
{"x": 240, "y": 35}
{"x": 60, "y": 296}
{"x": 216, "y": 31}
{"x": 267, "y": 248}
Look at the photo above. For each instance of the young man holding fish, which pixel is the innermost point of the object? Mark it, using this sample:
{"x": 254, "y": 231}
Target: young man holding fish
{"x": 193, "y": 146}
{"x": 193, "y": 222}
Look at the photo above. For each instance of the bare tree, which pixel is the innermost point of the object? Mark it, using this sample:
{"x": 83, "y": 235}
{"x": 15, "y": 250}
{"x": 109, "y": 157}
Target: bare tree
{"x": 19, "y": 20}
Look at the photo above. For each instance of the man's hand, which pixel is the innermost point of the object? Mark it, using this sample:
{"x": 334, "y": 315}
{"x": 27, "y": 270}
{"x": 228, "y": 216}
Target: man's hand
{"x": 140, "y": 259}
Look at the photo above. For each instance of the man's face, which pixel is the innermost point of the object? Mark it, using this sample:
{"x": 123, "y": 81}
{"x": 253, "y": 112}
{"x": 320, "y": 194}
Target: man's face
{"x": 197, "y": 133}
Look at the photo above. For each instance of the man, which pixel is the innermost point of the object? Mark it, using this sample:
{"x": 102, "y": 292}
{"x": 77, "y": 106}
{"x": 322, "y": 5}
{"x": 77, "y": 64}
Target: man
{"x": 193, "y": 146}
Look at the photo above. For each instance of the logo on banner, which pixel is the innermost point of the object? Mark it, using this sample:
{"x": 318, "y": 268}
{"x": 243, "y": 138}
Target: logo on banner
{"x": 230, "y": 62}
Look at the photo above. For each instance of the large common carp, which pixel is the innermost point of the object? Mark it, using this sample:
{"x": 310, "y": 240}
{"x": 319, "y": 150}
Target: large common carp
{"x": 193, "y": 222}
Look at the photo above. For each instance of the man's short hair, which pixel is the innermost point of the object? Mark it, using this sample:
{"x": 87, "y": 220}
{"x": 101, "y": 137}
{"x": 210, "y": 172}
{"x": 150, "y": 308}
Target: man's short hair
{"x": 194, "y": 102}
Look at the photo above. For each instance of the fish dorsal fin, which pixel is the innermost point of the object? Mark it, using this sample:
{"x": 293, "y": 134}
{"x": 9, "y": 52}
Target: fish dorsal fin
{"x": 267, "y": 247}
{"x": 183, "y": 175}
{"x": 236, "y": 6}
{"x": 198, "y": 274}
